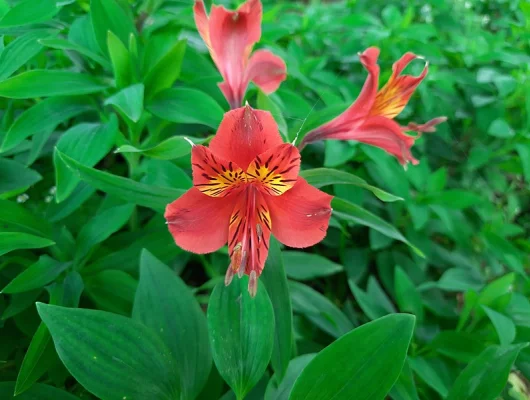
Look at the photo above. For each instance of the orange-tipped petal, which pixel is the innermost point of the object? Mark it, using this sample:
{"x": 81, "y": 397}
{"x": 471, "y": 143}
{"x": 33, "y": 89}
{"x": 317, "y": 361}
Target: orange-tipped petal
{"x": 245, "y": 133}
{"x": 198, "y": 222}
{"x": 300, "y": 217}
{"x": 213, "y": 175}
{"x": 395, "y": 95}
{"x": 266, "y": 70}
{"x": 276, "y": 170}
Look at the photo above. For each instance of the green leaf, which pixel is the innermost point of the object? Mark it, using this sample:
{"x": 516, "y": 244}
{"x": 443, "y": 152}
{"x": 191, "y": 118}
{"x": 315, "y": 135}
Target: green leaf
{"x": 280, "y": 388}
{"x": 154, "y": 197}
{"x": 488, "y": 372}
{"x": 38, "y": 392}
{"x": 428, "y": 374}
{"x": 352, "y": 212}
{"x": 87, "y": 143}
{"x": 19, "y": 52}
{"x": 504, "y": 326}
{"x": 241, "y": 332}
{"x": 42, "y": 83}
{"x": 112, "y": 290}
{"x": 306, "y": 266}
{"x": 524, "y": 154}
{"x": 275, "y": 280}
{"x": 101, "y": 227}
{"x": 169, "y": 149}
{"x": 407, "y": 296}
{"x": 120, "y": 59}
{"x": 453, "y": 198}
{"x": 44, "y": 271}
{"x": 319, "y": 310}
{"x": 363, "y": 364}
{"x": 46, "y": 115}
{"x": 166, "y": 71}
{"x": 404, "y": 388}
{"x": 460, "y": 280}
{"x": 460, "y": 346}
{"x": 107, "y": 15}
{"x": 64, "y": 44}
{"x": 265, "y": 102}
{"x": 130, "y": 101}
{"x": 29, "y": 12}
{"x": 186, "y": 106}
{"x": 16, "y": 176}
{"x": 10, "y": 241}
{"x": 17, "y": 215}
{"x": 371, "y": 305}
{"x": 165, "y": 304}
{"x": 110, "y": 355}
{"x": 501, "y": 129}
{"x": 320, "y": 177}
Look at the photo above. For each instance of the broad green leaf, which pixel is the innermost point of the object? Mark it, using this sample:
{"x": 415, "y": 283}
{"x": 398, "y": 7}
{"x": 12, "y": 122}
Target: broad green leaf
{"x": 319, "y": 310}
{"x": 352, "y": 212}
{"x": 45, "y": 115}
{"x": 503, "y": 325}
{"x": 17, "y": 215}
{"x": 20, "y": 302}
{"x": 305, "y": 266}
{"x": 64, "y": 44}
{"x": 460, "y": 346}
{"x": 110, "y": 355}
{"x": 280, "y": 388}
{"x": 320, "y": 177}
{"x": 338, "y": 152}
{"x": 16, "y": 176}
{"x": 29, "y": 12}
{"x": 154, "y": 197}
{"x": 19, "y": 52}
{"x": 488, "y": 372}
{"x": 266, "y": 103}
{"x": 57, "y": 212}
{"x": 524, "y": 154}
{"x": 43, "y": 83}
{"x": 428, "y": 374}
{"x": 241, "y": 330}
{"x": 120, "y": 59}
{"x": 130, "y": 101}
{"x": 405, "y": 387}
{"x": 459, "y": 280}
{"x": 44, "y": 271}
{"x": 275, "y": 280}
{"x": 407, "y": 296}
{"x": 453, "y": 198}
{"x": 112, "y": 290}
{"x": 165, "y": 304}
{"x": 41, "y": 355}
{"x": 101, "y": 227}
{"x": 186, "y": 106}
{"x": 107, "y": 15}
{"x": 38, "y": 392}
{"x": 166, "y": 71}
{"x": 87, "y": 143}
{"x": 501, "y": 129}
{"x": 169, "y": 149}
{"x": 370, "y": 305}
{"x": 10, "y": 241}
{"x": 363, "y": 364}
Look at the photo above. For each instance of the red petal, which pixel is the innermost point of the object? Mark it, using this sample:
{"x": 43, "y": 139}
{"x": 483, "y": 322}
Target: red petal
{"x": 276, "y": 170}
{"x": 249, "y": 232}
{"x": 300, "y": 217}
{"x": 243, "y": 134}
{"x": 201, "y": 21}
{"x": 214, "y": 176}
{"x": 232, "y": 35}
{"x": 394, "y": 96}
{"x": 358, "y": 111}
{"x": 427, "y": 127}
{"x": 387, "y": 135}
{"x": 266, "y": 70}
{"x": 198, "y": 222}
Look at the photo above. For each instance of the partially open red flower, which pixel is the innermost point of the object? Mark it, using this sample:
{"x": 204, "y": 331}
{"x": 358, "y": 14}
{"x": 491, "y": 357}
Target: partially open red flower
{"x": 370, "y": 119}
{"x": 230, "y": 36}
{"x": 245, "y": 187}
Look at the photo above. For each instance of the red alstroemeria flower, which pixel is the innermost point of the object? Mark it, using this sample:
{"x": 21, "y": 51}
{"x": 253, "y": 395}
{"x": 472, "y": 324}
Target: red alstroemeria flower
{"x": 245, "y": 187}
{"x": 370, "y": 119}
{"x": 230, "y": 36}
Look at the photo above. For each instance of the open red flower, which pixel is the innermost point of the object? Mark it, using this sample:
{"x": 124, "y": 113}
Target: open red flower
{"x": 230, "y": 36}
{"x": 245, "y": 187}
{"x": 370, "y": 119}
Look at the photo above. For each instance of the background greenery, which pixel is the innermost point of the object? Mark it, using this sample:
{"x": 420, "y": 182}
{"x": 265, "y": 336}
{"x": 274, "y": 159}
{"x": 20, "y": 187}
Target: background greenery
{"x": 92, "y": 151}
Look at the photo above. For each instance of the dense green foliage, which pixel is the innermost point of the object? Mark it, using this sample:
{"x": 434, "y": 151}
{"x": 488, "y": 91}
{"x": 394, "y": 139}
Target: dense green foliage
{"x": 96, "y": 98}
